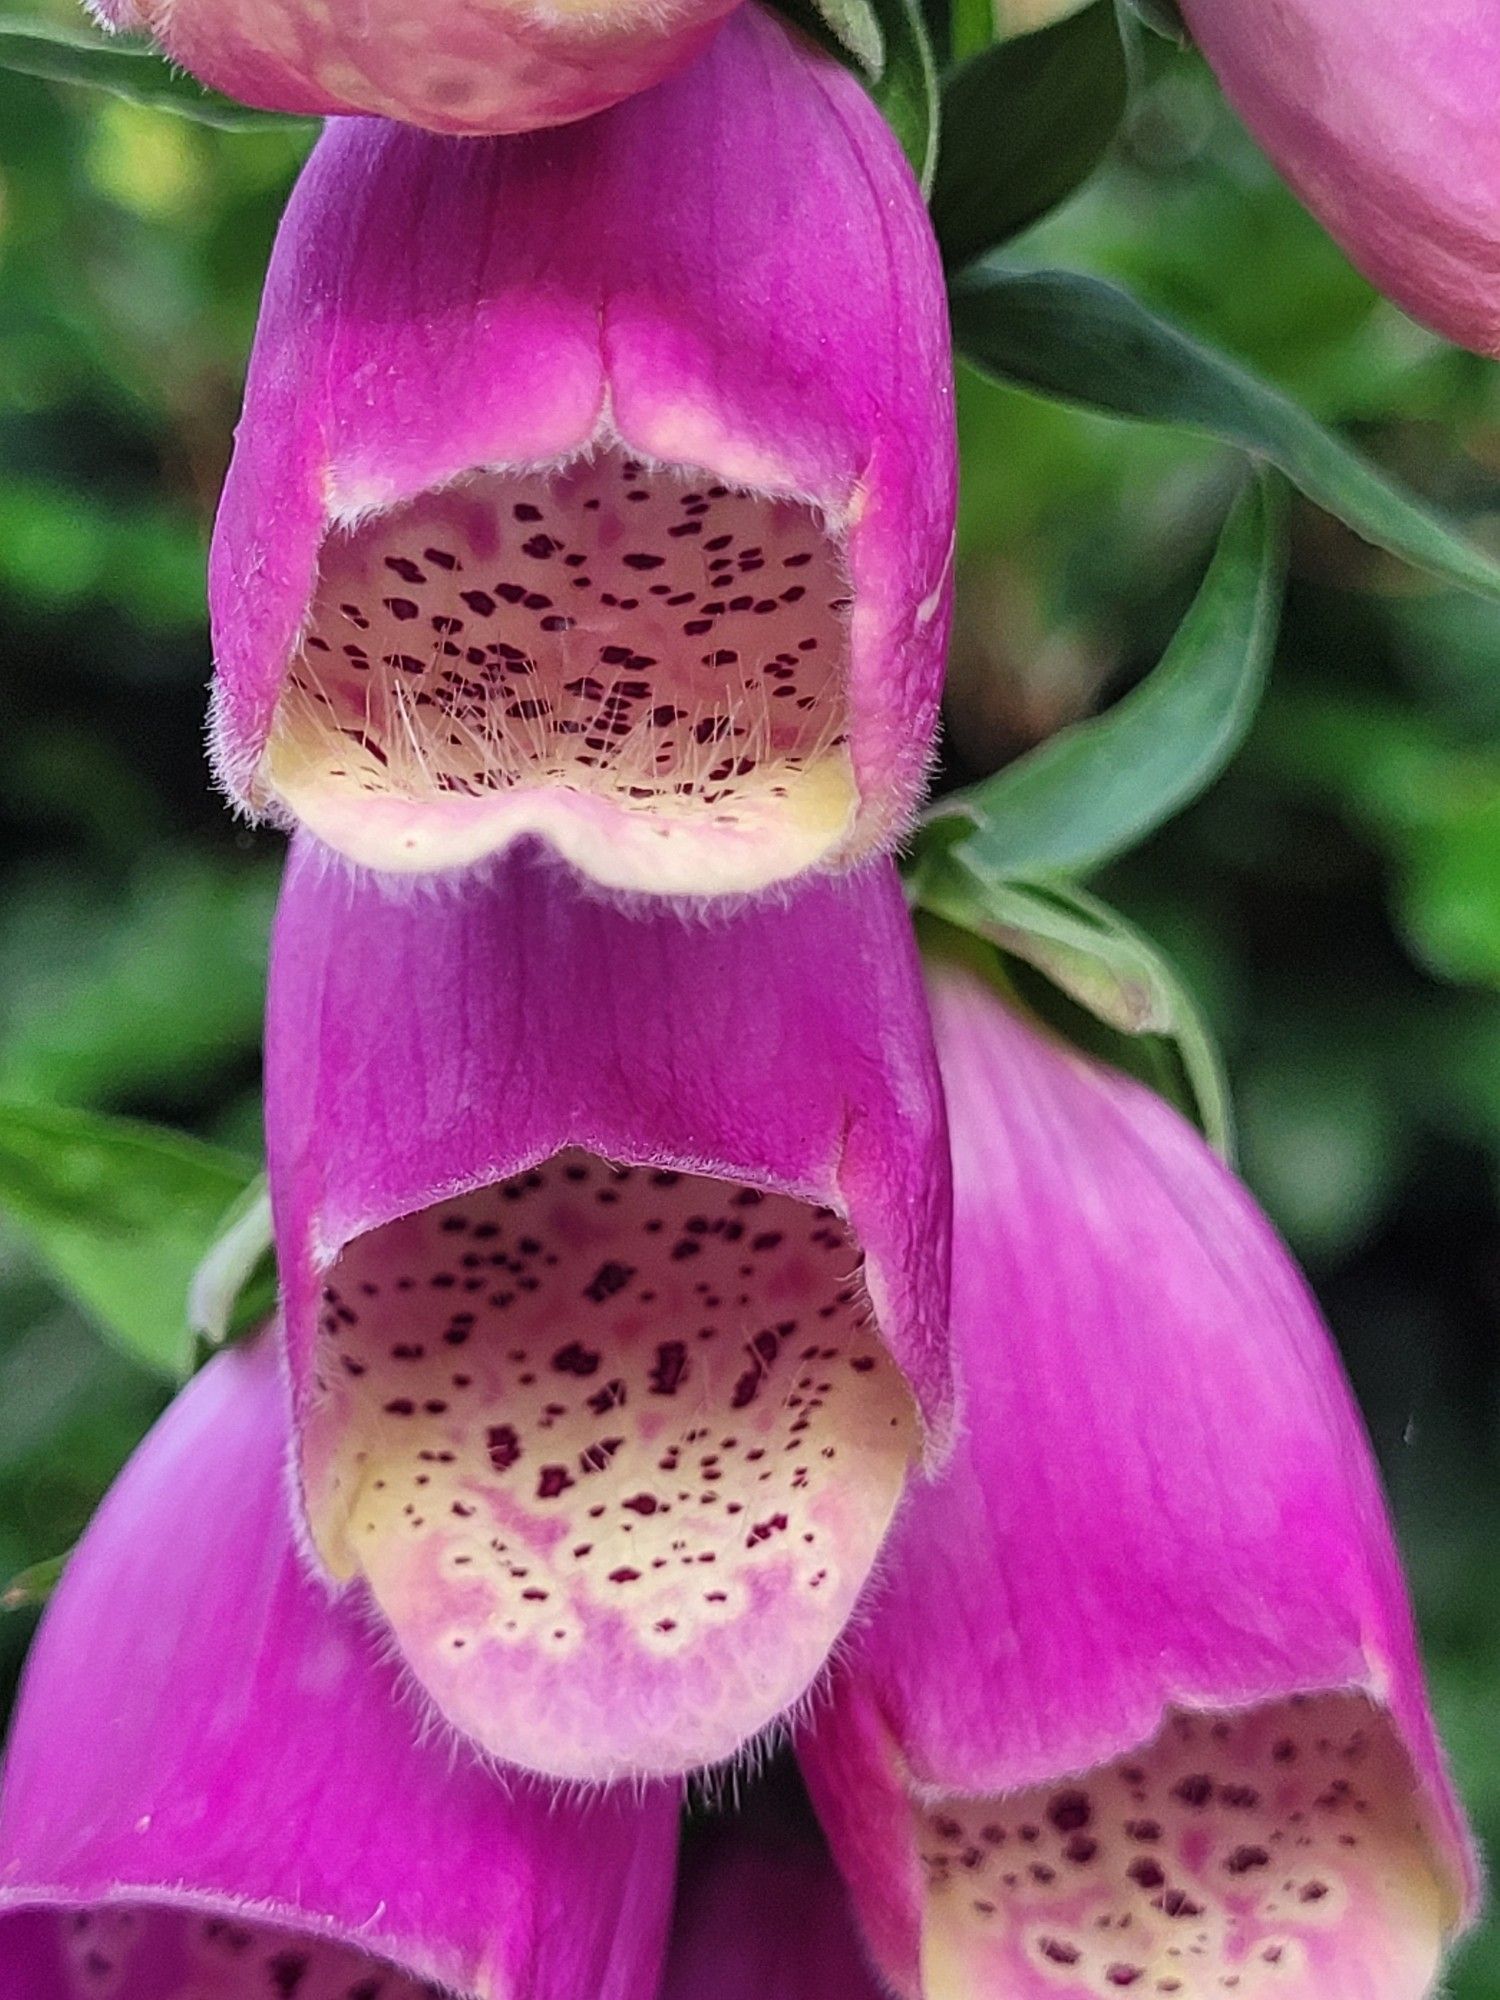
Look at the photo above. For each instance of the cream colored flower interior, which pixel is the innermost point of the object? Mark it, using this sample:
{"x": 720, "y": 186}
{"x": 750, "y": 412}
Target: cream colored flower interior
{"x": 646, "y": 667}
{"x": 1275, "y": 1855}
{"x": 615, "y": 1449}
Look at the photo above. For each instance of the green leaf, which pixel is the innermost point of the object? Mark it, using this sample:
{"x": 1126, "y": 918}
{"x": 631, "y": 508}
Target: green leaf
{"x": 125, "y": 68}
{"x": 1088, "y": 342}
{"x": 1163, "y": 17}
{"x": 234, "y": 1288}
{"x": 1024, "y": 124}
{"x": 33, "y": 1586}
{"x": 122, "y": 1214}
{"x": 907, "y": 87}
{"x": 1093, "y": 790}
{"x": 1111, "y": 972}
{"x": 855, "y": 26}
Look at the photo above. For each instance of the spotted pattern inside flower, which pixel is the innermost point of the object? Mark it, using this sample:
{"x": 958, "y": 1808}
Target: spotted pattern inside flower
{"x": 1277, "y": 1853}
{"x": 615, "y": 1448}
{"x": 147, "y": 1954}
{"x": 668, "y": 650}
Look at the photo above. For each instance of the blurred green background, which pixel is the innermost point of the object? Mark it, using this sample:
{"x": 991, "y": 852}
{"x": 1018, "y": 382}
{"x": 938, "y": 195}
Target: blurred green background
{"x": 1334, "y": 901}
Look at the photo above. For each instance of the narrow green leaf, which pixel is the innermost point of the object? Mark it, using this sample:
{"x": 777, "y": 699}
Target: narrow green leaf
{"x": 1025, "y": 123}
{"x": 32, "y": 1587}
{"x": 234, "y": 1288}
{"x": 122, "y": 1213}
{"x": 1094, "y": 790}
{"x": 856, "y": 27}
{"x": 1163, "y": 17}
{"x": 125, "y": 68}
{"x": 1107, "y": 968}
{"x": 1085, "y": 341}
{"x": 907, "y": 88}
{"x": 848, "y": 29}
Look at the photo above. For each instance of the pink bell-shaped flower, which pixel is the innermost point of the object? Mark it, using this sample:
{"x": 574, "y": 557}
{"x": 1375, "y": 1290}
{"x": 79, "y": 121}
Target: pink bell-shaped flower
{"x": 459, "y": 66}
{"x": 218, "y": 1789}
{"x": 1382, "y": 117}
{"x": 1139, "y": 1708}
{"x": 615, "y": 1262}
{"x": 598, "y": 485}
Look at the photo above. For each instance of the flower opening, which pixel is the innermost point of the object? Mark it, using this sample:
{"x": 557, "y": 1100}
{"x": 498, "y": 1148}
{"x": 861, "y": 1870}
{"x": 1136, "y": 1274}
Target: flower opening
{"x": 646, "y": 664}
{"x": 615, "y": 1448}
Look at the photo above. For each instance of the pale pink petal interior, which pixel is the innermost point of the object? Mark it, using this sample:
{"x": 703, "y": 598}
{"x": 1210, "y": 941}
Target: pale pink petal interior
{"x": 1276, "y": 1855}
{"x": 615, "y": 1449}
{"x": 143, "y": 1953}
{"x": 648, "y": 668}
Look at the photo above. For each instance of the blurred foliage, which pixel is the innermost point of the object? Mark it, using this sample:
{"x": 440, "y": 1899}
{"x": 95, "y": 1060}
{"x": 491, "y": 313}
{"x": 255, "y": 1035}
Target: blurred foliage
{"x": 1334, "y": 901}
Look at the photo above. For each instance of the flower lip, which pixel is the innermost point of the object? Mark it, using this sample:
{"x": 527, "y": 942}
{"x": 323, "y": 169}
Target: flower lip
{"x": 600, "y": 1431}
{"x": 1282, "y": 1850}
{"x": 141, "y": 1947}
{"x": 639, "y": 661}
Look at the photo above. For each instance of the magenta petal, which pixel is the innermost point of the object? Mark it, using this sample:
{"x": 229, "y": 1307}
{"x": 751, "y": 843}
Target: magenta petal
{"x": 1383, "y": 119}
{"x": 455, "y": 66}
{"x": 213, "y": 1777}
{"x": 1141, "y": 1702}
{"x": 760, "y": 1923}
{"x": 615, "y": 1256}
{"x": 631, "y": 525}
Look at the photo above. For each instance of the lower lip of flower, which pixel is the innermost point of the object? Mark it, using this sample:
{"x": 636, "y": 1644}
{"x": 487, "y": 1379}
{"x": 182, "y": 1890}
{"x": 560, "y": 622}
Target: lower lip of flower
{"x": 120, "y": 1952}
{"x": 641, "y": 663}
{"x": 1277, "y": 1852}
{"x": 615, "y": 1449}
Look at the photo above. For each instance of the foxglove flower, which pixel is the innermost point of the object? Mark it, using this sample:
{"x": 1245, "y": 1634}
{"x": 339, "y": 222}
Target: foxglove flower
{"x": 762, "y": 1922}
{"x": 615, "y": 1256}
{"x": 598, "y": 484}
{"x": 1141, "y": 1708}
{"x": 1383, "y": 119}
{"x": 459, "y": 66}
{"x": 215, "y": 1788}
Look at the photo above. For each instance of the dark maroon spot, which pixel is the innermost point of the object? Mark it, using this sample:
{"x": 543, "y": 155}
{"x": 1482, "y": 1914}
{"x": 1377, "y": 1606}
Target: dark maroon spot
{"x": 1178, "y": 1903}
{"x": 598, "y": 1455}
{"x": 1194, "y": 1791}
{"x": 641, "y": 1503}
{"x": 1058, "y": 1953}
{"x": 555, "y": 1479}
{"x": 503, "y": 1445}
{"x": 1146, "y": 1873}
{"x": 607, "y": 1280}
{"x": 670, "y": 1369}
{"x": 1069, "y": 1811}
{"x": 575, "y": 1359}
{"x": 1245, "y": 1859}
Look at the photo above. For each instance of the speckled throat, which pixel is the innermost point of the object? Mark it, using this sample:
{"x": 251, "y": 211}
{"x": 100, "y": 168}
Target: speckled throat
{"x": 149, "y": 1954}
{"x": 1273, "y": 1855}
{"x": 615, "y": 1449}
{"x": 647, "y": 667}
